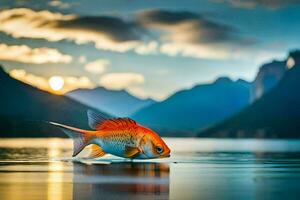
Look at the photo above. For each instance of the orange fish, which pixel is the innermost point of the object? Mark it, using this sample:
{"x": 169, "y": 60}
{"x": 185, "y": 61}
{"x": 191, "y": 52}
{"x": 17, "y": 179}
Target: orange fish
{"x": 117, "y": 136}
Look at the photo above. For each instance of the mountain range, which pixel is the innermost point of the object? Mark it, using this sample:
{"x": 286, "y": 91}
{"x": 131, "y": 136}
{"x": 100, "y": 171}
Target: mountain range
{"x": 115, "y": 102}
{"x": 25, "y": 108}
{"x": 196, "y": 108}
{"x": 276, "y": 114}
{"x": 222, "y": 108}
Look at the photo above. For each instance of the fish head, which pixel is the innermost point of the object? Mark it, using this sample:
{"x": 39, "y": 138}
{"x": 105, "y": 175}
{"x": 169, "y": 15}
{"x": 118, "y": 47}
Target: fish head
{"x": 153, "y": 145}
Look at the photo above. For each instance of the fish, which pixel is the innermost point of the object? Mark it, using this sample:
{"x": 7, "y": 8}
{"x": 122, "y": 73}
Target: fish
{"x": 121, "y": 137}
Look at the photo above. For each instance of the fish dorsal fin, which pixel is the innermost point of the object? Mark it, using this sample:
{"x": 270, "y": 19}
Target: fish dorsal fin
{"x": 96, "y": 152}
{"x": 116, "y": 123}
{"x": 95, "y": 119}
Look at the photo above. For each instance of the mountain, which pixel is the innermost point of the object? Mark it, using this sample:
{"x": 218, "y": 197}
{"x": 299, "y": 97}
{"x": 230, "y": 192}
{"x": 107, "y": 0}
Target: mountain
{"x": 116, "y": 102}
{"x": 276, "y": 114}
{"x": 196, "y": 108}
{"x": 23, "y": 108}
{"x": 267, "y": 77}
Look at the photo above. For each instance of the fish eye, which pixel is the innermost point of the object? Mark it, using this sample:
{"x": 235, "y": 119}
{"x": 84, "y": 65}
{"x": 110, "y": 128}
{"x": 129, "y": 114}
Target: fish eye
{"x": 159, "y": 149}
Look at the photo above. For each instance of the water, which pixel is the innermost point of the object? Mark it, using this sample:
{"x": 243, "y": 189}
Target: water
{"x": 197, "y": 169}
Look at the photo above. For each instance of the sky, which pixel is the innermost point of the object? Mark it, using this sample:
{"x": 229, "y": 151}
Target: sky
{"x": 150, "y": 48}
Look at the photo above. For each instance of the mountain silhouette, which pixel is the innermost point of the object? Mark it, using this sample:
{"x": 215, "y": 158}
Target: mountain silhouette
{"x": 196, "y": 108}
{"x": 268, "y": 76}
{"x": 24, "y": 109}
{"x": 276, "y": 114}
{"x": 115, "y": 102}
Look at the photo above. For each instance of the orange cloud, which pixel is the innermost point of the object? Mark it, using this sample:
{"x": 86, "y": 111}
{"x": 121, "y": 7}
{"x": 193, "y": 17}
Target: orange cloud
{"x": 121, "y": 80}
{"x": 70, "y": 82}
{"x": 97, "y": 66}
{"x": 25, "y": 54}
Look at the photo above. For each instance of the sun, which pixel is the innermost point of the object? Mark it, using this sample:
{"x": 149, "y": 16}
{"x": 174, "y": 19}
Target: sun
{"x": 56, "y": 83}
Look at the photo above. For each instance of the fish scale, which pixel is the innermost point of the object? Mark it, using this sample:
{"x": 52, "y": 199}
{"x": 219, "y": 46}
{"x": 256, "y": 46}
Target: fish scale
{"x": 115, "y": 142}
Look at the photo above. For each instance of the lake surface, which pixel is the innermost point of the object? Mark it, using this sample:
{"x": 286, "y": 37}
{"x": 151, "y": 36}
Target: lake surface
{"x": 197, "y": 169}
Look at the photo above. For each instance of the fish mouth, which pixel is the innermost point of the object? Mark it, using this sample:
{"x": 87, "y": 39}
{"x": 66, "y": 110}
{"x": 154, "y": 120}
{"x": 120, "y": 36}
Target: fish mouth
{"x": 165, "y": 156}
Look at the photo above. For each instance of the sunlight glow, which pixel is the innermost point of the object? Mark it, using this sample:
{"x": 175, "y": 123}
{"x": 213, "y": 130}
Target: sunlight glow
{"x": 290, "y": 62}
{"x": 56, "y": 83}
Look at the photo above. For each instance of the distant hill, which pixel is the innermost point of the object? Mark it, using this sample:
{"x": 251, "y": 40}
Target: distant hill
{"x": 276, "y": 114}
{"x": 24, "y": 106}
{"x": 116, "y": 102}
{"x": 196, "y": 108}
{"x": 267, "y": 77}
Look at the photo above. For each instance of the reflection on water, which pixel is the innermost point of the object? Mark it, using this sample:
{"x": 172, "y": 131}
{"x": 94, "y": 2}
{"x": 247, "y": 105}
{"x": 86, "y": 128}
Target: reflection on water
{"x": 57, "y": 189}
{"x": 43, "y": 169}
{"x": 27, "y": 173}
{"x": 122, "y": 180}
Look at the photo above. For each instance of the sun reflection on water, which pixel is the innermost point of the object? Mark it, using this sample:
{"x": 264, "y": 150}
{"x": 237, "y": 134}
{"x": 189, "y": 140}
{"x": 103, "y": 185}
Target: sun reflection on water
{"x": 57, "y": 189}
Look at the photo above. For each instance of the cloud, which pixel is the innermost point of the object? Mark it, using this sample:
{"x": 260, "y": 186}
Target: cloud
{"x": 272, "y": 4}
{"x": 147, "y": 48}
{"x": 106, "y": 32}
{"x": 34, "y": 80}
{"x": 152, "y": 31}
{"x": 139, "y": 92}
{"x": 82, "y": 59}
{"x": 59, "y": 4}
{"x": 196, "y": 51}
{"x": 128, "y": 81}
{"x": 25, "y": 54}
{"x": 191, "y": 34}
{"x": 97, "y": 66}
{"x": 186, "y": 27}
{"x": 121, "y": 80}
{"x": 70, "y": 82}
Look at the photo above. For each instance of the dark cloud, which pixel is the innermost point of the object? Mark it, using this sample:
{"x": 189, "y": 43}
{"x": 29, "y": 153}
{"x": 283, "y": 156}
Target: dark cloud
{"x": 272, "y": 4}
{"x": 187, "y": 26}
{"x": 106, "y": 32}
{"x": 114, "y": 28}
{"x": 150, "y": 31}
{"x": 166, "y": 17}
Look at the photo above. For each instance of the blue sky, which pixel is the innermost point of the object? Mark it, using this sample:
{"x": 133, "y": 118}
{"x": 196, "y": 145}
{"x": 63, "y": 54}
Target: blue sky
{"x": 150, "y": 48}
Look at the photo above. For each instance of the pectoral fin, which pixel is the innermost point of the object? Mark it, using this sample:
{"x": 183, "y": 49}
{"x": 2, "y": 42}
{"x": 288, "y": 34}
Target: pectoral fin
{"x": 131, "y": 152}
{"x": 96, "y": 152}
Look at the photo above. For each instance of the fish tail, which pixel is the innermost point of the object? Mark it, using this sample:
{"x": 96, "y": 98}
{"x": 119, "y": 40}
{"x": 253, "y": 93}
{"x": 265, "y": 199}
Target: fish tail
{"x": 81, "y": 138}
